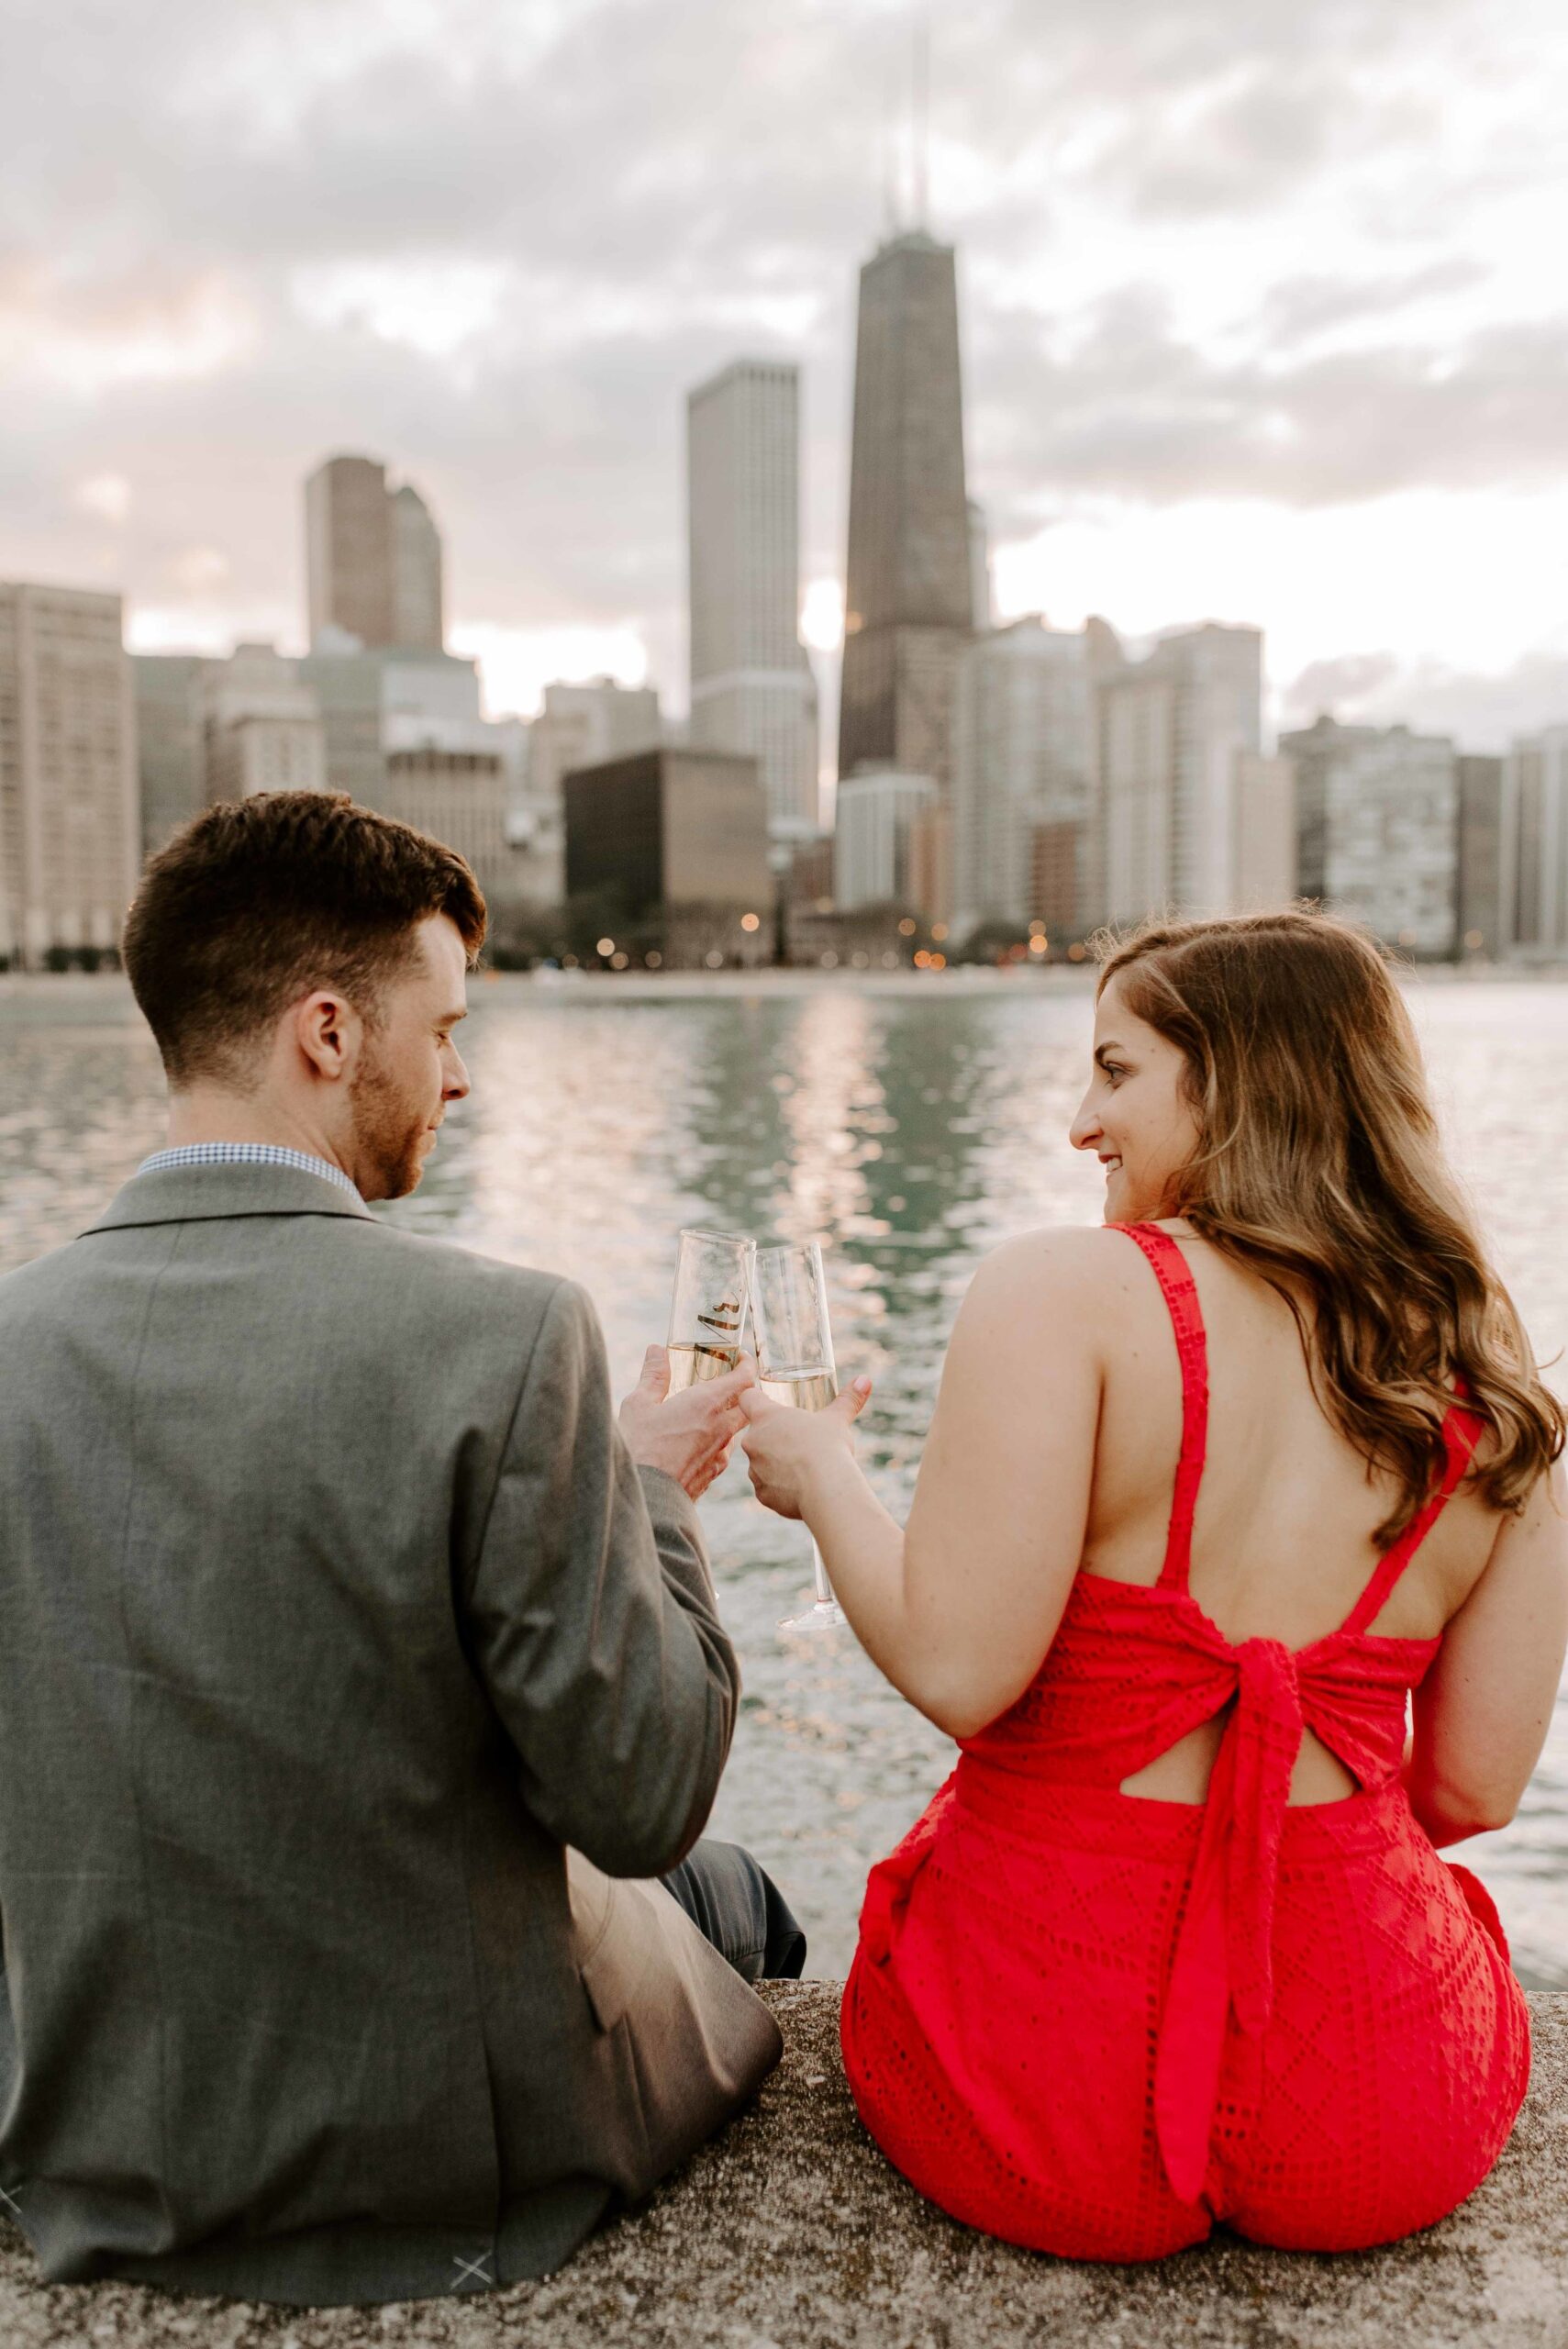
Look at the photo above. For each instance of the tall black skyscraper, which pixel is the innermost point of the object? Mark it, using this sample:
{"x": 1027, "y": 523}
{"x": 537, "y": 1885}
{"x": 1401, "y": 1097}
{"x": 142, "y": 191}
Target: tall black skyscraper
{"x": 909, "y": 600}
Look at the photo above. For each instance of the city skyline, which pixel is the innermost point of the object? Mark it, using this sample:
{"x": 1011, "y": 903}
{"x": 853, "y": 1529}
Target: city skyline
{"x": 1260, "y": 316}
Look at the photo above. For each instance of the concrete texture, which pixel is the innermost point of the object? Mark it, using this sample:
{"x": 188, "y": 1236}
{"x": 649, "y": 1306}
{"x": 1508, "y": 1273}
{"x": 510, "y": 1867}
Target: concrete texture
{"x": 792, "y": 2232}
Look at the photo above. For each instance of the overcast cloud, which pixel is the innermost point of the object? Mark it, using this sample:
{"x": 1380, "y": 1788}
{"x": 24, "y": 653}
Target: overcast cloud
{"x": 1263, "y": 308}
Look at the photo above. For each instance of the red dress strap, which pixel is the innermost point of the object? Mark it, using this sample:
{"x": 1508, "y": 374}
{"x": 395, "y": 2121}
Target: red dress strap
{"x": 1179, "y": 1292}
{"x": 1461, "y": 1433}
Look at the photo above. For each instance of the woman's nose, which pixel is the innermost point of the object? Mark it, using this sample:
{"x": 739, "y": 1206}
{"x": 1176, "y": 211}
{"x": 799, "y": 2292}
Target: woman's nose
{"x": 1086, "y": 1130}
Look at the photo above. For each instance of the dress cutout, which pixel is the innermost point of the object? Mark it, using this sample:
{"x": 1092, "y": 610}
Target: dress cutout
{"x": 1093, "y": 2022}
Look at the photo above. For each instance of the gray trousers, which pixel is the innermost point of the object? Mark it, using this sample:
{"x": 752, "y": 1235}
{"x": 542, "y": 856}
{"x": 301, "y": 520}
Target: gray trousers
{"x": 735, "y": 1904}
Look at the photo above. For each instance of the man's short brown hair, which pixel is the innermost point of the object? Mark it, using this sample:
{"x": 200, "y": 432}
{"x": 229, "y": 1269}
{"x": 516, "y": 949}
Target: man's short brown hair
{"x": 256, "y": 903}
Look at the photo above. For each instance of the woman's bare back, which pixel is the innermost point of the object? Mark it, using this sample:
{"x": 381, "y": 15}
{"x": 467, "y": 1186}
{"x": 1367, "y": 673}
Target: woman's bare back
{"x": 1283, "y": 1540}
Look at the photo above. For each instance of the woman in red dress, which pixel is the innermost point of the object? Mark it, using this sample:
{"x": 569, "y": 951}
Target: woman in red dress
{"x": 1209, "y": 1497}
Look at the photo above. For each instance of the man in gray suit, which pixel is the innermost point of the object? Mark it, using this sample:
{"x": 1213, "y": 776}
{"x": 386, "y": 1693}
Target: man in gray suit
{"x": 359, "y": 1676}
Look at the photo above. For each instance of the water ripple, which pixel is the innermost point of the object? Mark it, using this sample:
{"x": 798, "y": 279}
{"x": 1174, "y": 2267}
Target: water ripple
{"x": 911, "y": 1129}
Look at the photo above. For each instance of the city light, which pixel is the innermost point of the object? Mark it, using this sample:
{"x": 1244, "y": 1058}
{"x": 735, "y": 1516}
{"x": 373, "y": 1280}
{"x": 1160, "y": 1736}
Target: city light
{"x": 907, "y": 928}
{"x": 605, "y": 946}
{"x": 1039, "y": 945}
{"x": 751, "y": 921}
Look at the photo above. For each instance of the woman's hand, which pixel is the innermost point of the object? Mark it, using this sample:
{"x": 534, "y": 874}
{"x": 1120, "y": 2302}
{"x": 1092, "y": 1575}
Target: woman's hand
{"x": 793, "y": 1453}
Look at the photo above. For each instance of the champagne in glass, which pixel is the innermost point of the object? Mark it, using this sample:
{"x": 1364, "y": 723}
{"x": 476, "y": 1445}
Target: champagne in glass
{"x": 795, "y": 1365}
{"x": 803, "y": 1390}
{"x": 707, "y": 1310}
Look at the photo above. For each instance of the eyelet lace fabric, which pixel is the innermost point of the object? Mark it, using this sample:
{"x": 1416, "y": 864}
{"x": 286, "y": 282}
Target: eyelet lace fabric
{"x": 1094, "y": 2023}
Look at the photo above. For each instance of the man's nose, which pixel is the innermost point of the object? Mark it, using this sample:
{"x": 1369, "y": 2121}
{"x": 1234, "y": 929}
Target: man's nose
{"x": 456, "y": 1088}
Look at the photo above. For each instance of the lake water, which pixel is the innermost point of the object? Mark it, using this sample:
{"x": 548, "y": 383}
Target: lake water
{"x": 910, "y": 1124}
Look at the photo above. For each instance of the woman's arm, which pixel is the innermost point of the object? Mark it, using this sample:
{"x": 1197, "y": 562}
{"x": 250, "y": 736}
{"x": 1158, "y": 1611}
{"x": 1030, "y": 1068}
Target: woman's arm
{"x": 959, "y": 1609}
{"x": 1482, "y": 1713}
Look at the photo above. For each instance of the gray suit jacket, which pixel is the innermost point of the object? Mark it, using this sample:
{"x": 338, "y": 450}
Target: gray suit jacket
{"x": 349, "y": 1670}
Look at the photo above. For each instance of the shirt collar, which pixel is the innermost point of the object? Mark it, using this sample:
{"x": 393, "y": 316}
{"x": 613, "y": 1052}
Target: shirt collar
{"x": 248, "y": 1154}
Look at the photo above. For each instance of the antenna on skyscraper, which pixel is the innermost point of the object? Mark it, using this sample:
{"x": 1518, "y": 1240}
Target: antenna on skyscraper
{"x": 890, "y": 157}
{"x": 920, "y": 108}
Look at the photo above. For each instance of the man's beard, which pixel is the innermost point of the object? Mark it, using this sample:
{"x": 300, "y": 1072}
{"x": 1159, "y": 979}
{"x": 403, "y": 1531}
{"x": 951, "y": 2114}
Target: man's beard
{"x": 388, "y": 1134}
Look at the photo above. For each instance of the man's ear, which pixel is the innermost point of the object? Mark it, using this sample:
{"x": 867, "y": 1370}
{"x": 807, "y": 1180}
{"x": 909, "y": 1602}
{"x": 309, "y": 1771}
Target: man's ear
{"x": 326, "y": 1030}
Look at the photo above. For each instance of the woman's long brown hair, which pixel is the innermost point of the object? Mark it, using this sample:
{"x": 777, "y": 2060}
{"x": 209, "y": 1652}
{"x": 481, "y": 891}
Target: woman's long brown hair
{"x": 1319, "y": 1166}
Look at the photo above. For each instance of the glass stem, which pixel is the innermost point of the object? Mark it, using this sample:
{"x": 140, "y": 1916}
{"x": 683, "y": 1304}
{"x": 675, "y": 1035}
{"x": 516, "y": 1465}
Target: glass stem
{"x": 824, "y": 1587}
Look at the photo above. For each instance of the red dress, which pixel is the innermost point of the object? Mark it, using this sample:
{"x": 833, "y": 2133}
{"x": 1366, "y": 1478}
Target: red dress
{"x": 1095, "y": 2023}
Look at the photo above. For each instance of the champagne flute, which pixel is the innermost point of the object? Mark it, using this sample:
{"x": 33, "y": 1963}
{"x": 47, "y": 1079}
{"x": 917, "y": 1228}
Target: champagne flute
{"x": 707, "y": 1309}
{"x": 795, "y": 1365}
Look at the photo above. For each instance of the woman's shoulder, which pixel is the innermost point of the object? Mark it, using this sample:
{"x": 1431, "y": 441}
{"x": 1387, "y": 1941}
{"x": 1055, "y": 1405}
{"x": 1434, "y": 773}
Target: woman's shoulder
{"x": 1082, "y": 1264}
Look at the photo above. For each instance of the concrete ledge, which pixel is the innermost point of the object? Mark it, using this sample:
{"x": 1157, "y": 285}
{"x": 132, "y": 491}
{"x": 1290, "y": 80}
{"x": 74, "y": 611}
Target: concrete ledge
{"x": 792, "y": 2232}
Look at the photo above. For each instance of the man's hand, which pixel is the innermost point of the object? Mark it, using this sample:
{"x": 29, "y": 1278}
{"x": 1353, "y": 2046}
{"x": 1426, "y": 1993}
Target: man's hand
{"x": 687, "y": 1435}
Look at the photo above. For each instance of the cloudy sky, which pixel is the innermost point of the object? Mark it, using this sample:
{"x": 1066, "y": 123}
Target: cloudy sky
{"x": 1264, "y": 309}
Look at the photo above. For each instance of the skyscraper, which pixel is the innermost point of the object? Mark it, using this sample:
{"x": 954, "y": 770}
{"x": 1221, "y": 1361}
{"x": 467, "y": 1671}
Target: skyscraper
{"x": 579, "y": 726}
{"x": 417, "y": 615}
{"x": 170, "y": 746}
{"x": 374, "y": 701}
{"x": 910, "y": 595}
{"x": 979, "y": 565}
{"x": 69, "y": 828}
{"x": 1533, "y": 845}
{"x": 677, "y": 841}
{"x": 374, "y": 558}
{"x": 348, "y": 524}
{"x": 1021, "y": 760}
{"x": 878, "y": 824}
{"x": 1169, "y": 732}
{"x": 263, "y": 730}
{"x": 1479, "y": 918}
{"x": 753, "y": 690}
{"x": 1378, "y": 829}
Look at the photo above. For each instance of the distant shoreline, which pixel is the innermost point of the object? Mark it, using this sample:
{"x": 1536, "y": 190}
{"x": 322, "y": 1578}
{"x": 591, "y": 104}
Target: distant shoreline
{"x": 74, "y": 996}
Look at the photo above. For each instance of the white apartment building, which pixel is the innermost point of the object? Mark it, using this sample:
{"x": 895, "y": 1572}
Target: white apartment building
{"x": 266, "y": 753}
{"x": 752, "y": 692}
{"x": 1170, "y": 729}
{"x": 69, "y": 821}
{"x": 262, "y": 728}
{"x": 585, "y": 726}
{"x": 1264, "y": 843}
{"x": 1532, "y": 857}
{"x": 457, "y": 795}
{"x": 577, "y": 726}
{"x": 880, "y": 815}
{"x": 1378, "y": 829}
{"x": 1021, "y": 760}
